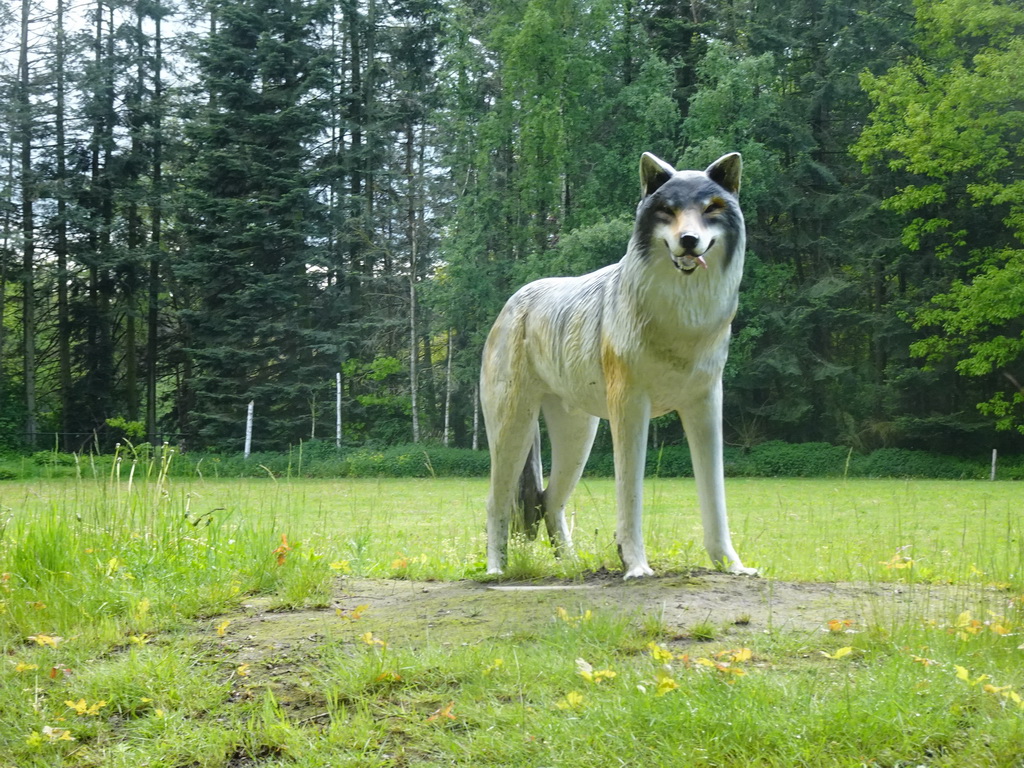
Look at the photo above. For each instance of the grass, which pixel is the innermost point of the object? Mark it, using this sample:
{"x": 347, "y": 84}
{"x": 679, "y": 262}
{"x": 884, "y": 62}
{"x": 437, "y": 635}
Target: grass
{"x": 114, "y": 596}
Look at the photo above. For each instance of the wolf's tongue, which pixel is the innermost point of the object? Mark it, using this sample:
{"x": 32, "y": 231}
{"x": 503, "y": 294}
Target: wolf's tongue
{"x": 700, "y": 260}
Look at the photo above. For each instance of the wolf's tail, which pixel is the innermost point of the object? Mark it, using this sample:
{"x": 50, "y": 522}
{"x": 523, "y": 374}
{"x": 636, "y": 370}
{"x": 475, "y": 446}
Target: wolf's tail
{"x": 530, "y": 507}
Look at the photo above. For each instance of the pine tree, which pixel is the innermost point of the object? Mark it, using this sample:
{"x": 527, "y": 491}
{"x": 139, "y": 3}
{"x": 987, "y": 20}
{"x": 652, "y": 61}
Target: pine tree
{"x": 252, "y": 225}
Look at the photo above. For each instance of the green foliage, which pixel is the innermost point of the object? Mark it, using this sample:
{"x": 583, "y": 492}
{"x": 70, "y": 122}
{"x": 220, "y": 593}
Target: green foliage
{"x": 900, "y": 462}
{"x": 950, "y": 117}
{"x": 251, "y": 218}
{"x": 259, "y": 221}
{"x": 320, "y": 459}
{"x": 133, "y": 430}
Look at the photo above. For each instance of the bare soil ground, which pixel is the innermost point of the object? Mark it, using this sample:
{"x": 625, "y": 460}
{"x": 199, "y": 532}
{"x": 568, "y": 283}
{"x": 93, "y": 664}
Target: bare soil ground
{"x": 410, "y": 613}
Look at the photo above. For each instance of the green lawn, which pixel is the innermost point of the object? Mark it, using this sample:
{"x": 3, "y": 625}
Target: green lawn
{"x": 112, "y": 594}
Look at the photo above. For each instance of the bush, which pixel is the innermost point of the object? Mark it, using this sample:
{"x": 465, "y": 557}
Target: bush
{"x": 902, "y": 462}
{"x": 778, "y": 459}
{"x": 321, "y": 459}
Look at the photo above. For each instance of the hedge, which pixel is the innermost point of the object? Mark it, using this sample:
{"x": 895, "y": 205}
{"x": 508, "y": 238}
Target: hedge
{"x": 323, "y": 460}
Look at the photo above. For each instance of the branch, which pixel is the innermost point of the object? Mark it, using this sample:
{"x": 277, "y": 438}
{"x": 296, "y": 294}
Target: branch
{"x": 1010, "y": 377}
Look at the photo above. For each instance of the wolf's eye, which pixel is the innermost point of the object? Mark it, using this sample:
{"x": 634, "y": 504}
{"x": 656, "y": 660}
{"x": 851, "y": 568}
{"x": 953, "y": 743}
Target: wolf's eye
{"x": 665, "y": 213}
{"x": 717, "y": 204}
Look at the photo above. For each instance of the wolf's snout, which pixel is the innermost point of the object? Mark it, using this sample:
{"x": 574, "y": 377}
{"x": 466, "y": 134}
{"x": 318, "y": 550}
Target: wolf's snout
{"x": 689, "y": 241}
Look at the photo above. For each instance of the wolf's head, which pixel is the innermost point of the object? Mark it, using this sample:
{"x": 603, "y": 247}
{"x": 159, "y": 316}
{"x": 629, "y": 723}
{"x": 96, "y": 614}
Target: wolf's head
{"x": 695, "y": 214}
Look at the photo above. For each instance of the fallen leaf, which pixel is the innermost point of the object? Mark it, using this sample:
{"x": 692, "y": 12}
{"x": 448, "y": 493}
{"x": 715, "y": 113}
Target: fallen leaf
{"x": 572, "y": 700}
{"x": 443, "y": 712}
{"x": 838, "y": 654}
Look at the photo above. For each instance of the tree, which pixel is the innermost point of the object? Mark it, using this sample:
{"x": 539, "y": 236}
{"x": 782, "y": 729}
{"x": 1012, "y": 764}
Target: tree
{"x": 25, "y": 123}
{"x": 253, "y": 225}
{"x": 951, "y": 118}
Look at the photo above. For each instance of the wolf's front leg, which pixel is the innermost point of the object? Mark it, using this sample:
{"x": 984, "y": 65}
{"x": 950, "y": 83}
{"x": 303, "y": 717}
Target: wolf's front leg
{"x": 702, "y": 422}
{"x": 629, "y": 422}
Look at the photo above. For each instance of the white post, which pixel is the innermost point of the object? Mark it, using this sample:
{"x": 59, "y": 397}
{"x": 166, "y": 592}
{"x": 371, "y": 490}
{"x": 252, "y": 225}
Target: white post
{"x": 248, "y": 429}
{"x": 448, "y": 392}
{"x": 337, "y": 408}
{"x": 476, "y": 417}
{"x": 993, "y": 477}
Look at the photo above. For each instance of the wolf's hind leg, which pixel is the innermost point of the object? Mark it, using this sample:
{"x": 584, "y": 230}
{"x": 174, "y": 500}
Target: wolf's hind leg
{"x": 510, "y": 431}
{"x": 572, "y": 435}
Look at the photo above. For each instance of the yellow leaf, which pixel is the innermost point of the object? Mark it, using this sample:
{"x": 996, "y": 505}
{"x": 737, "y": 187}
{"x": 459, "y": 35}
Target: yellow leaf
{"x": 355, "y": 614}
{"x": 82, "y": 708}
{"x": 494, "y": 666}
{"x": 79, "y": 706}
{"x": 95, "y": 708}
{"x": 49, "y": 640}
{"x": 658, "y": 653}
{"x": 57, "y": 734}
{"x": 840, "y": 653}
{"x": 23, "y": 667}
{"x": 222, "y": 628}
{"x": 443, "y": 712}
{"x": 138, "y": 639}
{"x": 665, "y": 683}
{"x": 342, "y": 566}
{"x": 572, "y": 700}
{"x": 961, "y": 673}
{"x": 743, "y": 654}
{"x": 242, "y": 670}
{"x": 586, "y": 671}
{"x": 369, "y": 639}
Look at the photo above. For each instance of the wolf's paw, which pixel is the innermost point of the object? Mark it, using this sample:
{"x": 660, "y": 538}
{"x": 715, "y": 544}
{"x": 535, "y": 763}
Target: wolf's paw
{"x": 740, "y": 570}
{"x": 735, "y": 567}
{"x": 638, "y": 572}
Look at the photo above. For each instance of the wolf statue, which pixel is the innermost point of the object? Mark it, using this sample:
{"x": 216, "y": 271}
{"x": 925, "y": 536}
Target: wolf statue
{"x": 634, "y": 340}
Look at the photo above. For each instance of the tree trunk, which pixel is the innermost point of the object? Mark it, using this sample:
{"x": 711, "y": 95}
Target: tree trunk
{"x": 414, "y": 383}
{"x": 156, "y": 235}
{"x": 61, "y": 243}
{"x": 27, "y": 231}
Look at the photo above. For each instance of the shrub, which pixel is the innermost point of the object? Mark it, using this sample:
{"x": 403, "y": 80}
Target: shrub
{"x": 778, "y": 459}
{"x": 902, "y": 462}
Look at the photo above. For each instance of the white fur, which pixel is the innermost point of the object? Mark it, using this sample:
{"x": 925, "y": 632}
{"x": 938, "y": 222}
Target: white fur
{"x": 631, "y": 341}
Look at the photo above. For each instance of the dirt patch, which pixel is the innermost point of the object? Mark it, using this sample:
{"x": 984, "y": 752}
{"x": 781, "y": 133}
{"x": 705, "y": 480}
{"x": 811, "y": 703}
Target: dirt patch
{"x": 411, "y": 613}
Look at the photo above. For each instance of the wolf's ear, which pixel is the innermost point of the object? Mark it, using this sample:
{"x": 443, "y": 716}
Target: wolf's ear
{"x": 653, "y": 173}
{"x": 725, "y": 171}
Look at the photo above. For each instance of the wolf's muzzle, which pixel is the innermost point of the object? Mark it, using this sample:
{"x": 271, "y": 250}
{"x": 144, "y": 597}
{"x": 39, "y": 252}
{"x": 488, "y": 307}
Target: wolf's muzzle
{"x": 688, "y": 259}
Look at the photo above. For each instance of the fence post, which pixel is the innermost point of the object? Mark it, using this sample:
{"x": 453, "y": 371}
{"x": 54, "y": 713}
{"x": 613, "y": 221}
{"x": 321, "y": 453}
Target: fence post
{"x": 337, "y": 408}
{"x": 248, "y": 429}
{"x": 993, "y": 476}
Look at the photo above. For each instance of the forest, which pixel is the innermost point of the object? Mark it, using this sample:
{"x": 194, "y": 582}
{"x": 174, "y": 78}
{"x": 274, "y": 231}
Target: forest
{"x": 208, "y": 203}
